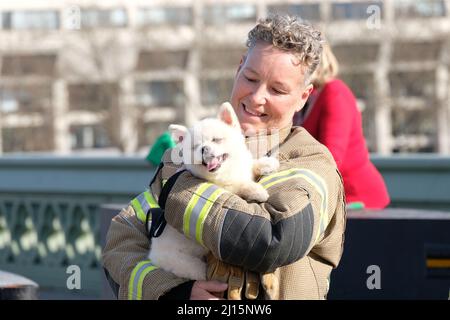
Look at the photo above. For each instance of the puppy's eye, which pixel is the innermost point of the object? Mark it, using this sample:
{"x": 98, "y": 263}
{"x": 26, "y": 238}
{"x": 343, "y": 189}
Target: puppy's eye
{"x": 217, "y": 140}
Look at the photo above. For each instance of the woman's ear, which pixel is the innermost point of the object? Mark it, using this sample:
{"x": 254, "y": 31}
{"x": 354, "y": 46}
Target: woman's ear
{"x": 241, "y": 63}
{"x": 307, "y": 91}
{"x": 305, "y": 95}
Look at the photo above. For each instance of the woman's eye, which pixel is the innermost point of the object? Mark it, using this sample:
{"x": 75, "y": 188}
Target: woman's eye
{"x": 250, "y": 79}
{"x": 278, "y": 91}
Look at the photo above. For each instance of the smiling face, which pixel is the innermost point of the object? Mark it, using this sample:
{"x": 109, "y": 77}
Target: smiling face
{"x": 211, "y": 146}
{"x": 268, "y": 89}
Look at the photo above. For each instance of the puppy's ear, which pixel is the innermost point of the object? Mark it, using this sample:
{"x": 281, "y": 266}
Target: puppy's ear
{"x": 227, "y": 115}
{"x": 178, "y": 132}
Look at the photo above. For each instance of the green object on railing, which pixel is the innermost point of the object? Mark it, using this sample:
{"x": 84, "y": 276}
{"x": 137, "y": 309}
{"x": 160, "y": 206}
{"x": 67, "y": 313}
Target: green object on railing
{"x": 355, "y": 205}
{"x": 161, "y": 144}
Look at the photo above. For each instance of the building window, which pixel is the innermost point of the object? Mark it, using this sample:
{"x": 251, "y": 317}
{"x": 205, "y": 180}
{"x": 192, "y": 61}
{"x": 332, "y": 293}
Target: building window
{"x": 9, "y": 101}
{"x": 418, "y": 84}
{"x": 416, "y": 51}
{"x": 148, "y": 132}
{"x": 164, "y": 16}
{"x": 93, "y": 96}
{"x": 25, "y": 99}
{"x": 162, "y": 60}
{"x": 112, "y": 18}
{"x": 28, "y": 139}
{"x": 354, "y": 10}
{"x": 309, "y": 12}
{"x": 231, "y": 13}
{"x": 159, "y": 93}
{"x": 29, "y": 20}
{"x": 89, "y": 137}
{"x": 215, "y": 91}
{"x": 414, "y": 130}
{"x": 221, "y": 58}
{"x": 356, "y": 54}
{"x": 362, "y": 85}
{"x": 38, "y": 65}
{"x": 419, "y": 8}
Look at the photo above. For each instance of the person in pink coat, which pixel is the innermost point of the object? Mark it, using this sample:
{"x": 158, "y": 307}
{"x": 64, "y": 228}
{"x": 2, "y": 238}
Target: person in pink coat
{"x": 332, "y": 117}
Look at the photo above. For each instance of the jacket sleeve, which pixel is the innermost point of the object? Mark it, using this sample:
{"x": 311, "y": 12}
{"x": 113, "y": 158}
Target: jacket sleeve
{"x": 256, "y": 236}
{"x": 125, "y": 257}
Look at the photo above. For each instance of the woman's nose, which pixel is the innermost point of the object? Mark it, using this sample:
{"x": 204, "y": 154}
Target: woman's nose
{"x": 259, "y": 95}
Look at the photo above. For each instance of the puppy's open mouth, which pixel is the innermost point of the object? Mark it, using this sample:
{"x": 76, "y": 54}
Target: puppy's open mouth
{"x": 213, "y": 164}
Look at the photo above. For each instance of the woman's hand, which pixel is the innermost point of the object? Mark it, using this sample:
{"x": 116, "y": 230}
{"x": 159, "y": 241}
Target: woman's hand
{"x": 205, "y": 290}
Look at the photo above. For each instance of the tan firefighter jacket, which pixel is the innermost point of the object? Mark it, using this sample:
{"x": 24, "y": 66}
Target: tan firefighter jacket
{"x": 298, "y": 233}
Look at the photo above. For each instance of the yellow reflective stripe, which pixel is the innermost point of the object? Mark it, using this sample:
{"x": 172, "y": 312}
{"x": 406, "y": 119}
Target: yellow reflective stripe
{"x": 151, "y": 201}
{"x": 142, "y": 203}
{"x": 204, "y": 213}
{"x": 267, "y": 186}
{"x": 131, "y": 281}
{"x": 138, "y": 210}
{"x": 164, "y": 182}
{"x": 191, "y": 205}
{"x": 270, "y": 180}
{"x": 137, "y": 277}
{"x": 141, "y": 280}
{"x": 274, "y": 175}
{"x": 323, "y": 207}
{"x": 312, "y": 178}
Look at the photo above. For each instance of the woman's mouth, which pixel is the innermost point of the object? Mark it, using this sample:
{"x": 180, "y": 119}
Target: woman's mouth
{"x": 252, "y": 113}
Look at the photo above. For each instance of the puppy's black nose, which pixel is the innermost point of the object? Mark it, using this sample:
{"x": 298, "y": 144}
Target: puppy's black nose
{"x": 205, "y": 149}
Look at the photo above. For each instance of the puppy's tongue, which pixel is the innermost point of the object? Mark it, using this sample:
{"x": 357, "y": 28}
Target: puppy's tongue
{"x": 212, "y": 164}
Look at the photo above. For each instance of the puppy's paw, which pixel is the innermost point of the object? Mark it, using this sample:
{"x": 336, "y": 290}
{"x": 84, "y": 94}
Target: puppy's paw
{"x": 253, "y": 192}
{"x": 259, "y": 196}
{"x": 265, "y": 166}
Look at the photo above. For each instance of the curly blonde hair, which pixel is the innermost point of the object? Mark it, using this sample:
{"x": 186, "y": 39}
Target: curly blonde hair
{"x": 290, "y": 33}
{"x": 327, "y": 69}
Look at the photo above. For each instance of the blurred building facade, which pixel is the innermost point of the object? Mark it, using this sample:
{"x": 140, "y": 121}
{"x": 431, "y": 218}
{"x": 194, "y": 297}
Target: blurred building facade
{"x": 111, "y": 75}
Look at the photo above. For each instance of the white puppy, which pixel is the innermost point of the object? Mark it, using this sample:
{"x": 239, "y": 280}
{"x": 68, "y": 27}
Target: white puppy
{"x": 214, "y": 150}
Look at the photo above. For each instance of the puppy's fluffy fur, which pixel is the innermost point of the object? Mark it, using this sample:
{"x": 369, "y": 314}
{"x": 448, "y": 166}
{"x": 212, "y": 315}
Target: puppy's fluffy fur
{"x": 214, "y": 150}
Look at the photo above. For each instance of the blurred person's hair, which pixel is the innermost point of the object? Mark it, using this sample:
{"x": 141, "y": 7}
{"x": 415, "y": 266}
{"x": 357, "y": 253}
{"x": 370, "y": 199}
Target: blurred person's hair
{"x": 327, "y": 69}
{"x": 290, "y": 33}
